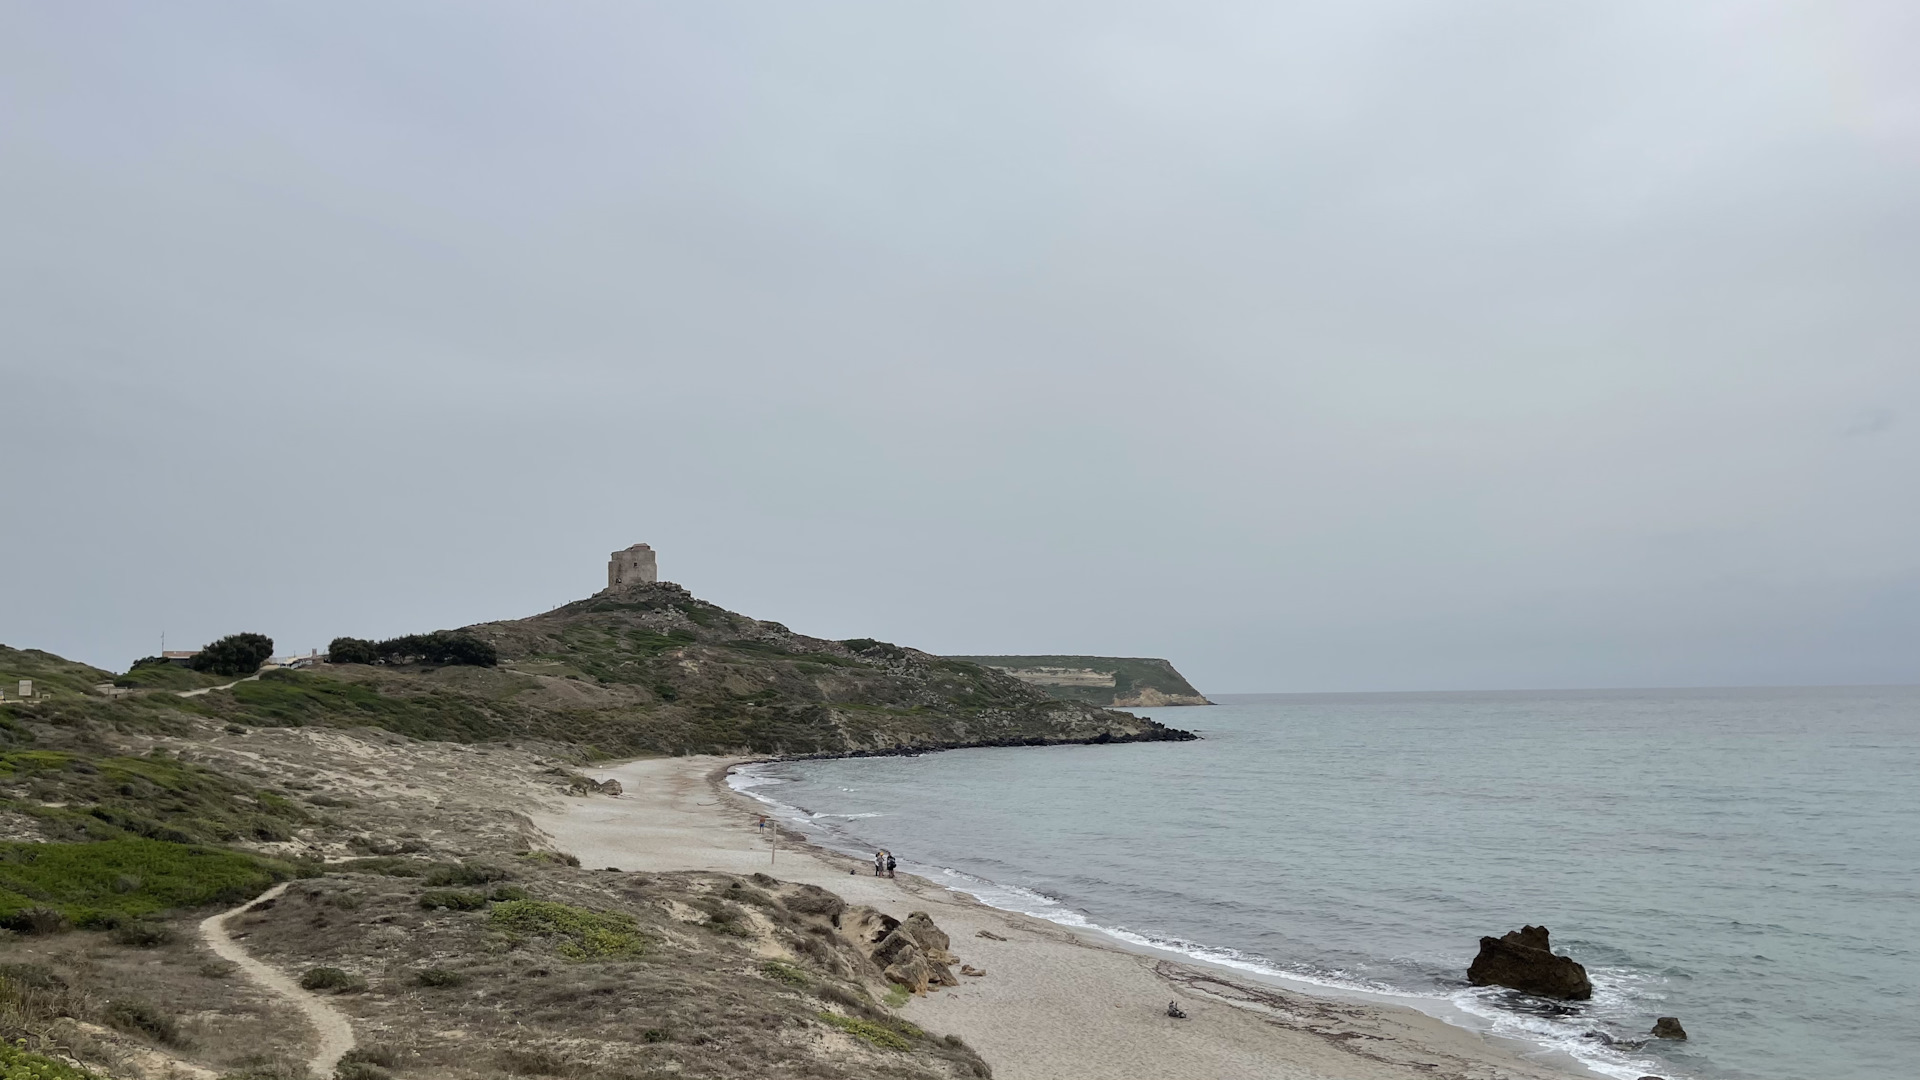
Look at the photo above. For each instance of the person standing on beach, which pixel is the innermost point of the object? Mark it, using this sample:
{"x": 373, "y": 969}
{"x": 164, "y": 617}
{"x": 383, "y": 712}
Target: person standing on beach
{"x": 879, "y": 862}
{"x": 890, "y": 864}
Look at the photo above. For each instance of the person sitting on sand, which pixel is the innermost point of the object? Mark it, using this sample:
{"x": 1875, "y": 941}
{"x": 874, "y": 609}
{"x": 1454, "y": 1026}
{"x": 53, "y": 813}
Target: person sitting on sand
{"x": 1174, "y": 1010}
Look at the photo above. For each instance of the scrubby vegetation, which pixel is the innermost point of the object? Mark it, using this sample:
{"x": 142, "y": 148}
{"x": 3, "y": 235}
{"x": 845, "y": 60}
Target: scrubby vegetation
{"x": 877, "y": 1034}
{"x": 79, "y": 797}
{"x": 50, "y": 886}
{"x": 577, "y": 933}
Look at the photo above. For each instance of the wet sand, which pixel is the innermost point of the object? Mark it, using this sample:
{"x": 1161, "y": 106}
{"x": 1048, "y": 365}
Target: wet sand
{"x": 1055, "y": 1004}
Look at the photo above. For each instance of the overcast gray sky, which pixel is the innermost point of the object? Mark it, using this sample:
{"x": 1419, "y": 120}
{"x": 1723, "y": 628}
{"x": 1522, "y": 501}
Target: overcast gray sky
{"x": 1380, "y": 344}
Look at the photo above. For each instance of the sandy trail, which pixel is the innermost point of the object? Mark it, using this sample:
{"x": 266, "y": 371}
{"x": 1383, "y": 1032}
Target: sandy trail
{"x": 1054, "y": 1003}
{"x": 336, "y": 1033}
{"x": 211, "y": 689}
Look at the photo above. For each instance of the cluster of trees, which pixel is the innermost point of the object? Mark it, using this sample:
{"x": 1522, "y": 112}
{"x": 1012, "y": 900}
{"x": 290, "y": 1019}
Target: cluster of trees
{"x": 235, "y": 654}
{"x": 439, "y": 647}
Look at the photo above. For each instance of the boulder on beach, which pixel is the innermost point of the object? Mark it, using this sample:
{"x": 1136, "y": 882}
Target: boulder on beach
{"x": 1524, "y": 960}
{"x": 912, "y": 954}
{"x": 609, "y": 787}
{"x": 1668, "y": 1027}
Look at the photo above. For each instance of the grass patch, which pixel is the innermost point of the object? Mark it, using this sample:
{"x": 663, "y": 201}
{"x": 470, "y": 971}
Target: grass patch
{"x": 578, "y": 933}
{"x": 868, "y": 1031}
{"x": 117, "y": 881}
{"x": 896, "y": 995}
{"x": 438, "y": 978}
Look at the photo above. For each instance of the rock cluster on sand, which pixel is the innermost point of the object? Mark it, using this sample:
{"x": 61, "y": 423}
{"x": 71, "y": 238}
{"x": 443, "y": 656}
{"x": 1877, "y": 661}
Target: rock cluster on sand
{"x": 1668, "y": 1027}
{"x": 609, "y": 787}
{"x": 1523, "y": 960}
{"x": 913, "y": 954}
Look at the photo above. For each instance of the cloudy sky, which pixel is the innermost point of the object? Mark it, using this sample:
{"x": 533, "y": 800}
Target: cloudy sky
{"x": 1382, "y": 344}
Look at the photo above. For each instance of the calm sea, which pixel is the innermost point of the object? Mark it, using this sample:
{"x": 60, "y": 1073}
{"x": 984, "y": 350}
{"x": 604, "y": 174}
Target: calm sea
{"x": 1747, "y": 860}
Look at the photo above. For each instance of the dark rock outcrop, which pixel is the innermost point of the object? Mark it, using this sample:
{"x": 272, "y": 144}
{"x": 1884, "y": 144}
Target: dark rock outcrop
{"x": 1668, "y": 1027}
{"x": 1524, "y": 960}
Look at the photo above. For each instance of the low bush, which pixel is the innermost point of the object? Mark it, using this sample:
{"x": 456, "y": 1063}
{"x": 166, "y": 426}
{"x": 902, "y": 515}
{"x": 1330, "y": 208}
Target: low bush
{"x": 452, "y": 900}
{"x": 868, "y": 1031}
{"x": 438, "y": 978}
{"x": 17, "y": 1063}
{"x": 367, "y": 1063}
{"x": 464, "y": 874}
{"x": 385, "y": 865}
{"x": 144, "y": 935}
{"x": 558, "y": 858}
{"x": 332, "y": 978}
{"x": 786, "y": 973}
{"x": 139, "y": 1018}
{"x": 502, "y": 893}
{"x": 577, "y": 933}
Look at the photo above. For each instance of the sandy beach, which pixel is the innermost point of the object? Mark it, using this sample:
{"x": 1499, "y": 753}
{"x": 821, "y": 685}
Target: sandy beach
{"x": 1054, "y": 1004}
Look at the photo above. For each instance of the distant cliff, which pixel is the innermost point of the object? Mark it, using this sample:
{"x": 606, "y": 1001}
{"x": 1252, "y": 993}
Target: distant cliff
{"x": 1112, "y": 681}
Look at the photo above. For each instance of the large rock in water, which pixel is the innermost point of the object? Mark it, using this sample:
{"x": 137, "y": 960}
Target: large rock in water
{"x": 1523, "y": 960}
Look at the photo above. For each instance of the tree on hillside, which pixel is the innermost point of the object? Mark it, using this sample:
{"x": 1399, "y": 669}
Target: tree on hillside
{"x": 352, "y": 650}
{"x": 235, "y": 654}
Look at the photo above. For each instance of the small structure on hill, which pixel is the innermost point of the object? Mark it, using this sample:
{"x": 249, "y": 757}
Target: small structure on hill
{"x": 634, "y": 566}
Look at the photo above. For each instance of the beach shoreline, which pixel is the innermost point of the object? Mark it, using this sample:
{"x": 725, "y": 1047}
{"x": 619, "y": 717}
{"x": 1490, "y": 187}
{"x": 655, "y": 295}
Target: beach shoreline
{"x": 1055, "y": 1001}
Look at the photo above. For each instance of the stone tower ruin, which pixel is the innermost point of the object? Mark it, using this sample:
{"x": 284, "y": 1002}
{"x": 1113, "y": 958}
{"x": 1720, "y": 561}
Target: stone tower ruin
{"x": 632, "y": 567}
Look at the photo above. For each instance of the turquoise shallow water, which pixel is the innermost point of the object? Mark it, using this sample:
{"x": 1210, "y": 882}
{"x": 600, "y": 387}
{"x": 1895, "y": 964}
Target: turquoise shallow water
{"x": 1747, "y": 860}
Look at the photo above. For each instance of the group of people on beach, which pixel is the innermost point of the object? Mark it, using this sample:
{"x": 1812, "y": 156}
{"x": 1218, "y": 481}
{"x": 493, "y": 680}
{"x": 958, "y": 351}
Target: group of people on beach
{"x": 883, "y": 863}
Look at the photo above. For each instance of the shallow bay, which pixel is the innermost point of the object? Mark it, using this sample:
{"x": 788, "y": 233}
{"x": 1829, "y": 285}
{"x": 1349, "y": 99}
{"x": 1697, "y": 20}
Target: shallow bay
{"x": 1747, "y": 860}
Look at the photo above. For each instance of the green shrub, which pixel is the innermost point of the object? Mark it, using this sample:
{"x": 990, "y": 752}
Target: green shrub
{"x": 578, "y": 933}
{"x": 559, "y": 858}
{"x": 438, "y": 977}
{"x": 332, "y": 978}
{"x": 235, "y": 654}
{"x": 655, "y": 1035}
{"x": 786, "y": 973}
{"x": 882, "y": 1037}
{"x": 896, "y": 996}
{"x": 114, "y": 881}
{"x": 17, "y": 1063}
{"x": 464, "y": 874}
{"x": 452, "y": 900}
{"x": 508, "y": 892}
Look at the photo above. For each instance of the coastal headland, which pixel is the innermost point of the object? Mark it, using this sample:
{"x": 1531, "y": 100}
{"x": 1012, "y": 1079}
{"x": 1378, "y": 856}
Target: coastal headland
{"x": 409, "y": 859}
